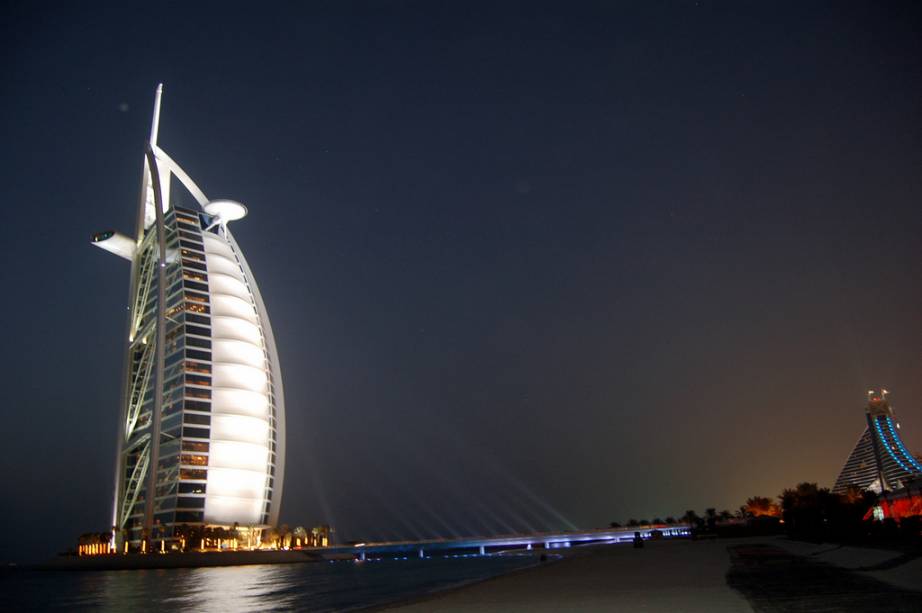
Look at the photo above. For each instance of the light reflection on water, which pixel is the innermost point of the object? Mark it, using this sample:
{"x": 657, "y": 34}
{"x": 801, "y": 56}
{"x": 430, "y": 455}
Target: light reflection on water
{"x": 254, "y": 588}
{"x": 287, "y": 587}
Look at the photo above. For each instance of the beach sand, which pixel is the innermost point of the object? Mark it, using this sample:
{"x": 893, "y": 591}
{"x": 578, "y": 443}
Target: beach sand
{"x": 672, "y": 576}
{"x": 767, "y": 574}
{"x": 891, "y": 567}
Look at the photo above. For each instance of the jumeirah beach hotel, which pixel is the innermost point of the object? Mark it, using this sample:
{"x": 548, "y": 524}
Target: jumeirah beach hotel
{"x": 202, "y": 419}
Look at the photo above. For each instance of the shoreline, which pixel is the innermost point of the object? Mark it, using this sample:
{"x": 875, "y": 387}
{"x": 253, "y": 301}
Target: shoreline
{"x": 190, "y": 559}
{"x": 669, "y": 576}
{"x": 438, "y": 593}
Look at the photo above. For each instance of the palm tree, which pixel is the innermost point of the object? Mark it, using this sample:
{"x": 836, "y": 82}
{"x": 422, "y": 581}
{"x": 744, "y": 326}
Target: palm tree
{"x": 271, "y": 537}
{"x": 759, "y": 506}
{"x": 710, "y": 516}
{"x": 299, "y": 537}
{"x": 804, "y": 495}
{"x": 805, "y": 508}
{"x": 284, "y": 536}
{"x": 691, "y": 518}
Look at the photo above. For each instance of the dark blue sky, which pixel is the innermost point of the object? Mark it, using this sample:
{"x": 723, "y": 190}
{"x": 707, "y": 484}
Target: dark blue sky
{"x": 529, "y": 265}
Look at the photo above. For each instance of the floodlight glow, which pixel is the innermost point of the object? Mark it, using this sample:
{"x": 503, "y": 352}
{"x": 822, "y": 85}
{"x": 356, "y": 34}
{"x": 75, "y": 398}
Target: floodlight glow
{"x": 223, "y": 326}
{"x": 231, "y": 306}
{"x": 240, "y": 429}
{"x": 228, "y": 510}
{"x": 224, "y": 454}
{"x": 238, "y": 352}
{"x": 239, "y": 402}
{"x": 235, "y": 483}
{"x": 228, "y": 286}
{"x": 215, "y": 245}
{"x": 224, "y": 265}
{"x": 238, "y": 376}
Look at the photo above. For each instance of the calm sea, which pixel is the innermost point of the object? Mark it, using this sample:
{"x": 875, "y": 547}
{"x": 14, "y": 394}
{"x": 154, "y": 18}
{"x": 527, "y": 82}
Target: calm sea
{"x": 322, "y": 586}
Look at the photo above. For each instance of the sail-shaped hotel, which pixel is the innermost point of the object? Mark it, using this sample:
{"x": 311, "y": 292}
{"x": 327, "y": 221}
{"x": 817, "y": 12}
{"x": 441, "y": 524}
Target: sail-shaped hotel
{"x": 202, "y": 421}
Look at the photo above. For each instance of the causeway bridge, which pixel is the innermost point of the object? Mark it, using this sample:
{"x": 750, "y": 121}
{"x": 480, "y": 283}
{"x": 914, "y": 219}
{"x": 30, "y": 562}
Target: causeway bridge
{"x": 486, "y": 545}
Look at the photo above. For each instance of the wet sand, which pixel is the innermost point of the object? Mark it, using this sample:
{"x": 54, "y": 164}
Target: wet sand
{"x": 663, "y": 576}
{"x": 752, "y": 574}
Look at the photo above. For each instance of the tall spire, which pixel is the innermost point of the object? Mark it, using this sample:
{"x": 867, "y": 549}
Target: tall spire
{"x": 155, "y": 122}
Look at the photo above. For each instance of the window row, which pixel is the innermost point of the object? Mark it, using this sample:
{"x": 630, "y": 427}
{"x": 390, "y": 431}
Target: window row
{"x": 188, "y": 245}
{"x": 196, "y": 432}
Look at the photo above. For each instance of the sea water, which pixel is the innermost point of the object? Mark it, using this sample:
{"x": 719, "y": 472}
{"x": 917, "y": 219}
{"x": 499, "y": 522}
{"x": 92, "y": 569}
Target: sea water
{"x": 319, "y": 586}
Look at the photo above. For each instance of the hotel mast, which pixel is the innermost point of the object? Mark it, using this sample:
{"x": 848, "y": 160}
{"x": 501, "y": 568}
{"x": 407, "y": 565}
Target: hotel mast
{"x": 202, "y": 423}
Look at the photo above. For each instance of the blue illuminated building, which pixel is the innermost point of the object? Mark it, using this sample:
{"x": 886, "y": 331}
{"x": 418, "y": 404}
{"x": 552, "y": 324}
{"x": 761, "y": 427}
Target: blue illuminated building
{"x": 880, "y": 460}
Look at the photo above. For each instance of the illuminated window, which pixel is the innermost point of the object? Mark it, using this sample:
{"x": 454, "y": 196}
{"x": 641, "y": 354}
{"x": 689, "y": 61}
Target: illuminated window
{"x": 202, "y": 287}
{"x": 190, "y": 246}
{"x": 192, "y": 474}
{"x": 195, "y": 446}
{"x": 194, "y": 265}
{"x": 191, "y": 275}
{"x": 196, "y": 298}
{"x": 194, "y": 460}
{"x": 198, "y": 380}
{"x": 198, "y": 367}
{"x": 191, "y": 488}
{"x": 193, "y": 255}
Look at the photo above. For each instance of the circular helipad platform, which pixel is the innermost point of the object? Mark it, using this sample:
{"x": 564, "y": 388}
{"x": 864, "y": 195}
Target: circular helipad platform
{"x": 226, "y": 210}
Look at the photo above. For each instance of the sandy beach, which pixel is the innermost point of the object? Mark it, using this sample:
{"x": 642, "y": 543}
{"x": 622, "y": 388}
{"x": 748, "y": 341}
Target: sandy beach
{"x": 766, "y": 574}
{"x": 663, "y": 576}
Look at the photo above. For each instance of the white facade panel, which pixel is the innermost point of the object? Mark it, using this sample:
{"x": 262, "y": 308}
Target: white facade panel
{"x": 230, "y": 306}
{"x": 241, "y": 437}
{"x": 241, "y": 352}
{"x": 240, "y": 402}
{"x": 228, "y": 286}
{"x": 235, "y": 328}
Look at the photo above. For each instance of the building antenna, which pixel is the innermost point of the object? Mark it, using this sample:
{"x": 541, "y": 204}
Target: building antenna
{"x": 155, "y": 122}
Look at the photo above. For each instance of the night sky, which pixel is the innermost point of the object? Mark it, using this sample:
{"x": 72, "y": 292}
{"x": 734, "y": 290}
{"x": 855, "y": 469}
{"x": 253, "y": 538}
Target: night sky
{"x": 530, "y": 266}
